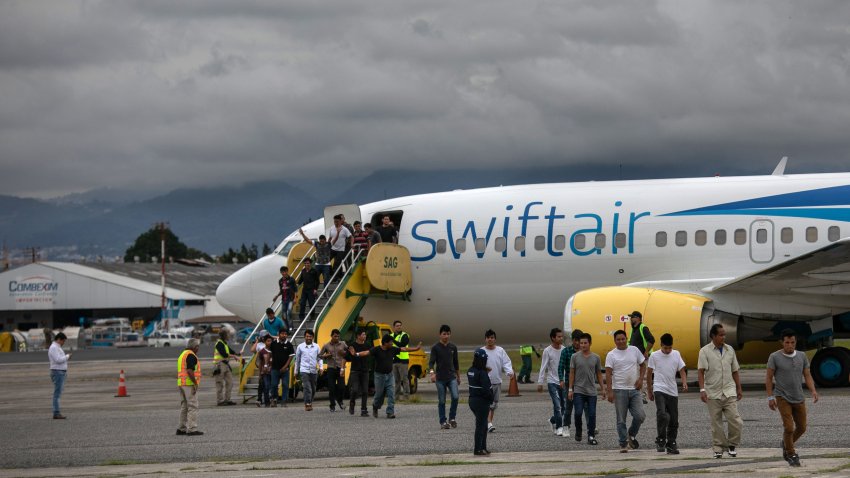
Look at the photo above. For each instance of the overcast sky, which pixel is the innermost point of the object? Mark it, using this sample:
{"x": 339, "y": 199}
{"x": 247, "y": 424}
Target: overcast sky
{"x": 182, "y": 93}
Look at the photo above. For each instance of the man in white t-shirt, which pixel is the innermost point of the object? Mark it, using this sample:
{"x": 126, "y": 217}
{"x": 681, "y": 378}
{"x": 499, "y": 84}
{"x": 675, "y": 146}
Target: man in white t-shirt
{"x": 338, "y": 237}
{"x": 497, "y": 362}
{"x": 661, "y": 370}
{"x": 624, "y": 369}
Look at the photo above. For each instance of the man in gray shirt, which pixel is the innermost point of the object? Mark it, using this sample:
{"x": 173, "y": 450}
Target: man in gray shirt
{"x": 787, "y": 367}
{"x": 585, "y": 373}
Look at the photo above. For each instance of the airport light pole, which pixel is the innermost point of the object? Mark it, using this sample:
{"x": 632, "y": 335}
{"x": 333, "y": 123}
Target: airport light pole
{"x": 161, "y": 227}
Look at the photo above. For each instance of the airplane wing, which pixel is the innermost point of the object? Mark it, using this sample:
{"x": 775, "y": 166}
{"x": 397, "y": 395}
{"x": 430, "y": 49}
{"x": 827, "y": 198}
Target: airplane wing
{"x": 822, "y": 272}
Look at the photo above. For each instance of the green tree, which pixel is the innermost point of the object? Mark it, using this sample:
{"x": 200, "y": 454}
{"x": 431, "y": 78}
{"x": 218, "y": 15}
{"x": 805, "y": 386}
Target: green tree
{"x": 148, "y": 246}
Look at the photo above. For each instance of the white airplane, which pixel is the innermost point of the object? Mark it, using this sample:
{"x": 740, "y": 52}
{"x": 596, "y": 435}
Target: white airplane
{"x": 758, "y": 254}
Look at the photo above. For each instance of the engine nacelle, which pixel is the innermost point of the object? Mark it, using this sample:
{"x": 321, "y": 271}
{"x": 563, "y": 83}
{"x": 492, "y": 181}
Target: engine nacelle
{"x": 600, "y": 312}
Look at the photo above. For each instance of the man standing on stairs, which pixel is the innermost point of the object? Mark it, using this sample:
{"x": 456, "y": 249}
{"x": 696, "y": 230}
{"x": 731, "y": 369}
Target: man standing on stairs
{"x": 286, "y": 285}
{"x": 310, "y": 280}
{"x": 323, "y": 255}
{"x": 338, "y": 236}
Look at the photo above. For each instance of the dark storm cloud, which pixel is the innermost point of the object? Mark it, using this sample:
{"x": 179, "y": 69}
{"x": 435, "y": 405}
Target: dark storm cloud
{"x": 169, "y": 94}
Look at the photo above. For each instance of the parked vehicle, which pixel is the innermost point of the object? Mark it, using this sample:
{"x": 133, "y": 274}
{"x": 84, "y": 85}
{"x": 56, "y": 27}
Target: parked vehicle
{"x": 167, "y": 339}
{"x": 131, "y": 340}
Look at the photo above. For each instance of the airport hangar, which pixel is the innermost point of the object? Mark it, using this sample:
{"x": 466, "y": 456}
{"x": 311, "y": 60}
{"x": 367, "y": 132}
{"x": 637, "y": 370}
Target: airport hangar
{"x": 58, "y": 294}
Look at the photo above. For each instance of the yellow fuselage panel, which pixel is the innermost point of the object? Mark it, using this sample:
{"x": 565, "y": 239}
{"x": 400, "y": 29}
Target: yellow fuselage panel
{"x": 600, "y": 312}
{"x": 388, "y": 268}
{"x": 296, "y": 254}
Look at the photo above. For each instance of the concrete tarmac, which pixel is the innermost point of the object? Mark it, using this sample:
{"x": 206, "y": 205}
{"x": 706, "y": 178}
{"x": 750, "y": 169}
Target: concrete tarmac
{"x": 104, "y": 435}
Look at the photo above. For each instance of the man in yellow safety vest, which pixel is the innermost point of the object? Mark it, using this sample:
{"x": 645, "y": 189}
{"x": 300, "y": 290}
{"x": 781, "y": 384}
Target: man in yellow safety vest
{"x": 188, "y": 380}
{"x": 222, "y": 371}
{"x": 401, "y": 361}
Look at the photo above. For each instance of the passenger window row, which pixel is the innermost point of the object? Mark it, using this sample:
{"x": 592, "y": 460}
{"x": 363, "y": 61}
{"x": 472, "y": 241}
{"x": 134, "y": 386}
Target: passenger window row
{"x": 680, "y": 238}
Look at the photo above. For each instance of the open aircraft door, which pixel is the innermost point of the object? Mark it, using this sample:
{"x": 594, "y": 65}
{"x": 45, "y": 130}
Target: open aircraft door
{"x": 350, "y": 211}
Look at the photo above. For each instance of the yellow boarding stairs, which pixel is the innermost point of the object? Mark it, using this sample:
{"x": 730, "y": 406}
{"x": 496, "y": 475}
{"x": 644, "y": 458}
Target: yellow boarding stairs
{"x": 385, "y": 273}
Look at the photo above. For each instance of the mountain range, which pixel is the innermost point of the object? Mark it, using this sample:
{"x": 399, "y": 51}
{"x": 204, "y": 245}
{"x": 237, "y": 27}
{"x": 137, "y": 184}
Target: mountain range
{"x": 104, "y": 223}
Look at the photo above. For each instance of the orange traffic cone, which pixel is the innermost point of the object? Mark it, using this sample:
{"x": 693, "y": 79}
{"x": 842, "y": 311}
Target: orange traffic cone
{"x": 122, "y": 387}
{"x": 513, "y": 388}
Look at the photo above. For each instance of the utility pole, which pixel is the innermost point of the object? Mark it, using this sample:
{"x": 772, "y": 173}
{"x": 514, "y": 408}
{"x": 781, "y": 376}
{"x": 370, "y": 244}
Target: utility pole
{"x": 34, "y": 251}
{"x": 5, "y": 256}
{"x": 162, "y": 227}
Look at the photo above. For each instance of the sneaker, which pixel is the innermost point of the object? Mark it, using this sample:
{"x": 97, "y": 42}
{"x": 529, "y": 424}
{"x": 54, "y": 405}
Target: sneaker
{"x": 453, "y": 422}
{"x": 444, "y": 426}
{"x": 794, "y": 460}
{"x": 732, "y": 452}
{"x": 559, "y": 432}
{"x": 633, "y": 443}
{"x": 364, "y": 413}
{"x": 390, "y": 415}
{"x": 479, "y": 453}
{"x": 624, "y": 449}
{"x": 333, "y": 409}
{"x": 660, "y": 446}
{"x": 490, "y": 428}
{"x": 374, "y": 412}
{"x": 351, "y": 408}
{"x": 566, "y": 432}
{"x": 221, "y": 404}
{"x": 194, "y": 433}
{"x": 672, "y": 448}
{"x": 784, "y": 451}
{"x": 718, "y": 454}
{"x": 578, "y": 435}
{"x": 592, "y": 441}
{"x": 180, "y": 432}
{"x": 229, "y": 402}
{"x": 58, "y": 416}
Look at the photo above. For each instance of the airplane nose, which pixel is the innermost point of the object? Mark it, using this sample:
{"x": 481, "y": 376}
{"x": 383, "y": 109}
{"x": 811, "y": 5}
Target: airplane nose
{"x": 234, "y": 293}
{"x": 248, "y": 291}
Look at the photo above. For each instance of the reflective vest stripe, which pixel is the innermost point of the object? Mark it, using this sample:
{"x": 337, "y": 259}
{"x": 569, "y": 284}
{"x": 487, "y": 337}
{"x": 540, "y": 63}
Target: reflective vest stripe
{"x": 525, "y": 350}
{"x": 183, "y": 372}
{"x": 396, "y": 339}
{"x": 642, "y": 337}
{"x": 217, "y": 357}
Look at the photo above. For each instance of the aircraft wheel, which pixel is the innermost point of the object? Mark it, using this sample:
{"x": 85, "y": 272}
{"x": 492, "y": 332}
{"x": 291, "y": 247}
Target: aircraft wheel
{"x": 414, "y": 383}
{"x": 831, "y": 366}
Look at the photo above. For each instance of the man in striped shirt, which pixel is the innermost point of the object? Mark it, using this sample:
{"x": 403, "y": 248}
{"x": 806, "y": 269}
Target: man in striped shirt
{"x": 564, "y": 376}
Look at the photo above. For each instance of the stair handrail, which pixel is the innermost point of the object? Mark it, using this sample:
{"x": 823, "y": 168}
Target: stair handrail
{"x": 276, "y": 304}
{"x": 355, "y": 257}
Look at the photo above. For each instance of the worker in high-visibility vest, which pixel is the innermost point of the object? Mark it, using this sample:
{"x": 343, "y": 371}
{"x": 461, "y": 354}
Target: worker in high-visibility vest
{"x": 401, "y": 361}
{"x": 188, "y": 380}
{"x": 642, "y": 338}
{"x": 525, "y": 352}
{"x": 223, "y": 373}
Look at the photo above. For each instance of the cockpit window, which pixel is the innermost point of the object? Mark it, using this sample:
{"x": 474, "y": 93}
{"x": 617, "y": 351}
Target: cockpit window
{"x": 284, "y": 251}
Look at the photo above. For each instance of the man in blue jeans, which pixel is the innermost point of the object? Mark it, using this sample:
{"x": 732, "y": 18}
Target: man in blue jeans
{"x": 585, "y": 373}
{"x": 384, "y": 383}
{"x": 624, "y": 369}
{"x": 445, "y": 372}
{"x": 58, "y": 370}
{"x": 282, "y": 354}
{"x": 549, "y": 373}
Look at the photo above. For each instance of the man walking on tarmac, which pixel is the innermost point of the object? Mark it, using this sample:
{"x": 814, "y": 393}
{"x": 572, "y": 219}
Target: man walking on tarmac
{"x": 359, "y": 375}
{"x": 720, "y": 389}
{"x": 401, "y": 361}
{"x": 549, "y": 373}
{"x": 445, "y": 372}
{"x": 383, "y": 355}
{"x": 282, "y": 354}
{"x": 497, "y": 362}
{"x": 525, "y": 352}
{"x": 642, "y": 338}
{"x": 188, "y": 380}
{"x": 333, "y": 353}
{"x": 661, "y": 370}
{"x": 788, "y": 367}
{"x": 624, "y": 371}
{"x": 308, "y": 364}
{"x": 222, "y": 371}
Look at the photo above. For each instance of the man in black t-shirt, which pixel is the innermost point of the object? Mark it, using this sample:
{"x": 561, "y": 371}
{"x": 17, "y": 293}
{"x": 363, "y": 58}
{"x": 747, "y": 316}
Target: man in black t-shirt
{"x": 310, "y": 278}
{"x": 384, "y": 384}
{"x": 282, "y": 355}
{"x": 388, "y": 231}
{"x": 358, "y": 377}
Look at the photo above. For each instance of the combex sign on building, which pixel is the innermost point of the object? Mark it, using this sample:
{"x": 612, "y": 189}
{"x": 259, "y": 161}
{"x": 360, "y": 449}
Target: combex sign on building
{"x": 33, "y": 292}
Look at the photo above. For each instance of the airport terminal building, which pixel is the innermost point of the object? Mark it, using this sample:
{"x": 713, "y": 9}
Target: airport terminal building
{"x": 59, "y": 294}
